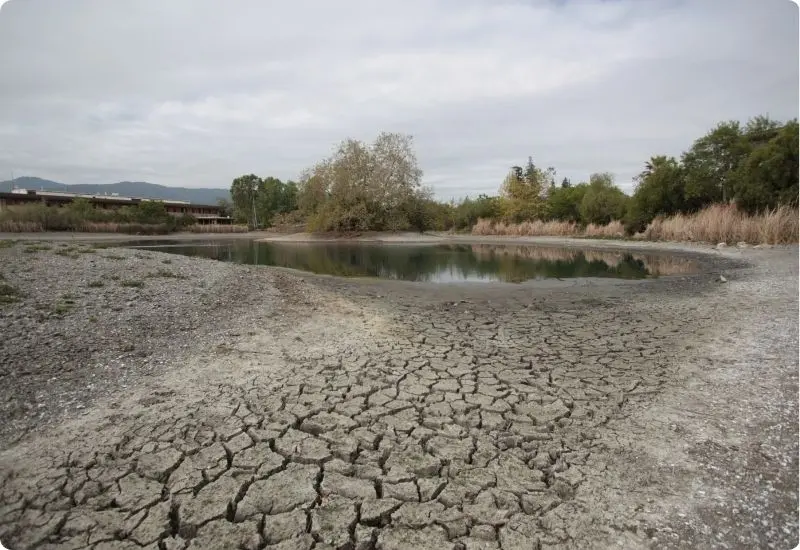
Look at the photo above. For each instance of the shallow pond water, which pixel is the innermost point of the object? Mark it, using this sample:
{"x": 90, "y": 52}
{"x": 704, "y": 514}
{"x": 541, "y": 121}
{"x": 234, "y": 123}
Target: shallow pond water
{"x": 433, "y": 263}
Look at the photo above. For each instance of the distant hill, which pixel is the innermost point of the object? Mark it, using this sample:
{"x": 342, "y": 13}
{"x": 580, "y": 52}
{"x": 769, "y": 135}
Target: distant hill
{"x": 124, "y": 188}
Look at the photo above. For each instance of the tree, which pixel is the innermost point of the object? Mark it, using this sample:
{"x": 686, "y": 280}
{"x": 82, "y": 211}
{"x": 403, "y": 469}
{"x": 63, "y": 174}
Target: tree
{"x": 523, "y": 192}
{"x": 469, "y": 211}
{"x": 710, "y": 165}
{"x": 603, "y": 201}
{"x": 365, "y": 186}
{"x": 769, "y": 175}
{"x": 659, "y": 192}
{"x": 244, "y": 191}
{"x": 225, "y": 207}
{"x": 564, "y": 203}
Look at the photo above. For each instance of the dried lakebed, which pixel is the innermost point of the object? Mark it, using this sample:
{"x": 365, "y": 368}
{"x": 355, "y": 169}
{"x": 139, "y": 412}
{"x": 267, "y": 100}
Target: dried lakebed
{"x": 157, "y": 401}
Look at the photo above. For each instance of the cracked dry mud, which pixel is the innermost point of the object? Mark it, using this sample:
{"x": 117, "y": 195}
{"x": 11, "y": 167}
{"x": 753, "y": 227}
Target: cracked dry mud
{"x": 372, "y": 415}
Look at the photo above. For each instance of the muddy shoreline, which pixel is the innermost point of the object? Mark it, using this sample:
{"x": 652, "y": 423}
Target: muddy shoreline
{"x": 219, "y": 405}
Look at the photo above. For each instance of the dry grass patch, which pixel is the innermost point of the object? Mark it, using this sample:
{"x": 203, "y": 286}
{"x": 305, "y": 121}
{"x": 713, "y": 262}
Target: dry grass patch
{"x": 217, "y": 228}
{"x": 725, "y": 223}
{"x": 715, "y": 224}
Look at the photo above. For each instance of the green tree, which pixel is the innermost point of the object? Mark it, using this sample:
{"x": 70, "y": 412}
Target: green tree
{"x": 710, "y": 165}
{"x": 151, "y": 212}
{"x": 523, "y": 191}
{"x": 603, "y": 201}
{"x": 469, "y": 211}
{"x": 659, "y": 192}
{"x": 564, "y": 203}
{"x": 768, "y": 177}
{"x": 244, "y": 192}
{"x": 225, "y": 207}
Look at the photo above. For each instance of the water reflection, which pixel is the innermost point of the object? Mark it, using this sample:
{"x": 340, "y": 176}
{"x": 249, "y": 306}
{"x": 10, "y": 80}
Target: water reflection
{"x": 441, "y": 263}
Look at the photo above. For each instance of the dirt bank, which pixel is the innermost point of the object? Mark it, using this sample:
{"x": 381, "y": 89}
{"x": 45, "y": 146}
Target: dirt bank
{"x": 223, "y": 406}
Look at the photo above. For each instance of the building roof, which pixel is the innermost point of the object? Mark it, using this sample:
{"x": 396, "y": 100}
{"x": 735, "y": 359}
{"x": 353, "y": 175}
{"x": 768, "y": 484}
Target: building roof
{"x": 114, "y": 198}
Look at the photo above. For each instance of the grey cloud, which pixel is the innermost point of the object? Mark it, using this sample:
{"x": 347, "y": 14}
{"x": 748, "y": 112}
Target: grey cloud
{"x": 195, "y": 92}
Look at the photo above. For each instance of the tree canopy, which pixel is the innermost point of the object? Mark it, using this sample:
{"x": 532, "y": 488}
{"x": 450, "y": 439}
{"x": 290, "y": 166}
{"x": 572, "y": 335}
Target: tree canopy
{"x": 378, "y": 186}
{"x": 364, "y": 187}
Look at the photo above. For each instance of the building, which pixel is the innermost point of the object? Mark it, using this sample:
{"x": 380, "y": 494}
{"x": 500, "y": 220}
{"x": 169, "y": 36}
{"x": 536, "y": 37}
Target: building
{"x": 205, "y": 214}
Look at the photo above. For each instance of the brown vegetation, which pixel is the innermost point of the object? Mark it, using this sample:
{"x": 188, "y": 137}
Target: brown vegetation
{"x": 725, "y": 223}
{"x": 197, "y": 228}
{"x": 717, "y": 223}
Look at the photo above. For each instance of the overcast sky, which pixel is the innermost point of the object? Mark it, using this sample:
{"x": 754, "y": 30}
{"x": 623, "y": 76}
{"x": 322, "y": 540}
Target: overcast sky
{"x": 197, "y": 92}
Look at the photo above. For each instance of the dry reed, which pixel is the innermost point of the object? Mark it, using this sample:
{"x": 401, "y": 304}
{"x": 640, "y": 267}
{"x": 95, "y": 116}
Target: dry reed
{"x": 197, "y": 228}
{"x": 526, "y": 229}
{"x": 725, "y": 223}
{"x": 715, "y": 224}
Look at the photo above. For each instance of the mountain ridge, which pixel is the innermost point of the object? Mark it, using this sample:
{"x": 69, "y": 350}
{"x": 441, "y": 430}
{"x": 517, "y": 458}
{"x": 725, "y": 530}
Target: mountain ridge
{"x": 143, "y": 189}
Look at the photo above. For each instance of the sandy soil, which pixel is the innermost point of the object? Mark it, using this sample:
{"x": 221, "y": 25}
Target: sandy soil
{"x": 299, "y": 412}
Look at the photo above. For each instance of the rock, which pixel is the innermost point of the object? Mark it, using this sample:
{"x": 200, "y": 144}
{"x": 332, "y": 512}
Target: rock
{"x": 722, "y": 245}
{"x": 722, "y": 279}
{"x": 742, "y": 244}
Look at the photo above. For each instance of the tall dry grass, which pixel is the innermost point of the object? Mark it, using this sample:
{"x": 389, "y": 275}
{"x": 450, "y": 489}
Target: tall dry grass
{"x": 725, "y": 223}
{"x": 715, "y": 224}
{"x": 197, "y": 228}
{"x": 14, "y": 226}
{"x": 536, "y": 228}
{"x": 613, "y": 229}
{"x": 18, "y": 226}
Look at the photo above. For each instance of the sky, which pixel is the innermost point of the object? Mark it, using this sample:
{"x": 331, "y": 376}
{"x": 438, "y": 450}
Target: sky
{"x": 197, "y": 92}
